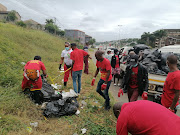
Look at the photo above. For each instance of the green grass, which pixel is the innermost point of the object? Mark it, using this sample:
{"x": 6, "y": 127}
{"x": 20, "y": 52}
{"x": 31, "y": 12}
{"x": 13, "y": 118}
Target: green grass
{"x": 17, "y": 111}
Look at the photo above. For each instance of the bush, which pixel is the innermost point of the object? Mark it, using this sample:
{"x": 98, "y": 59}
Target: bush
{"x": 11, "y": 16}
{"x": 21, "y": 23}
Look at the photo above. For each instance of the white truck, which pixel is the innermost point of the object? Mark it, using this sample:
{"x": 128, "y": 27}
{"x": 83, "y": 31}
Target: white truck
{"x": 156, "y": 82}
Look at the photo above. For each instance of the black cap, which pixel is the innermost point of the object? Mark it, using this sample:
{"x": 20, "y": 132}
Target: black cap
{"x": 73, "y": 44}
{"x": 133, "y": 59}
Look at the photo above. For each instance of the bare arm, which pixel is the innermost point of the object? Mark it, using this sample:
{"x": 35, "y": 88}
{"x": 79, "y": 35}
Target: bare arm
{"x": 175, "y": 100}
{"x": 107, "y": 77}
{"x": 45, "y": 73}
{"x": 73, "y": 63}
{"x": 62, "y": 60}
{"x": 96, "y": 73}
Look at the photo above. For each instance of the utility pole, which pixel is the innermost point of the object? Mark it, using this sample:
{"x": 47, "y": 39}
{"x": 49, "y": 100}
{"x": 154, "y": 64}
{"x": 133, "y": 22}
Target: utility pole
{"x": 55, "y": 24}
{"x": 119, "y": 35}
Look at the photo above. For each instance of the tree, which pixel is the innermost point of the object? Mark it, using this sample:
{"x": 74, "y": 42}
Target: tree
{"x": 21, "y": 23}
{"x": 159, "y": 34}
{"x": 60, "y": 33}
{"x": 51, "y": 28}
{"x": 11, "y": 16}
{"x": 92, "y": 41}
{"x": 49, "y": 21}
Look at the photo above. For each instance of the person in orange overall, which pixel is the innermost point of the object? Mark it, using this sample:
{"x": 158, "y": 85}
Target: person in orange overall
{"x": 32, "y": 79}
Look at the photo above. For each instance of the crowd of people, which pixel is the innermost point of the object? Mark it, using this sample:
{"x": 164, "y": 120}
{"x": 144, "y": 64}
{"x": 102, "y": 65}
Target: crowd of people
{"x": 136, "y": 117}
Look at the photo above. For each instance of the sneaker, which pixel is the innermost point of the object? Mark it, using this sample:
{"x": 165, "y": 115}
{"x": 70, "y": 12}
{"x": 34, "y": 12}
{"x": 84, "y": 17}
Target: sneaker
{"x": 114, "y": 84}
{"x": 119, "y": 84}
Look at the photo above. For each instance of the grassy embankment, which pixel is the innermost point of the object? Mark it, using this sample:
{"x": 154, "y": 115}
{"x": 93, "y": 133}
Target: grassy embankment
{"x": 17, "y": 111}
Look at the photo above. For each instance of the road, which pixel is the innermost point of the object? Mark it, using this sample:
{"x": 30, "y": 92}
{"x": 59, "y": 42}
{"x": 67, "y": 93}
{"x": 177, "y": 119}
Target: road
{"x": 114, "y": 90}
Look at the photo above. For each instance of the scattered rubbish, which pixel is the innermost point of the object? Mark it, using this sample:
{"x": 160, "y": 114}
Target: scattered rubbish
{"x": 78, "y": 112}
{"x": 23, "y": 63}
{"x": 83, "y": 130}
{"x": 71, "y": 93}
{"x": 83, "y": 103}
{"x": 34, "y": 124}
{"x": 82, "y": 107}
{"x": 43, "y": 106}
{"x": 75, "y": 134}
{"x": 55, "y": 86}
{"x": 29, "y": 129}
{"x": 61, "y": 107}
{"x": 96, "y": 101}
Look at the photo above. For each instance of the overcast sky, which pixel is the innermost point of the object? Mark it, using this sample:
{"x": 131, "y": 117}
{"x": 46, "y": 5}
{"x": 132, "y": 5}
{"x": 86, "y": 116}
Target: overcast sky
{"x": 100, "y": 18}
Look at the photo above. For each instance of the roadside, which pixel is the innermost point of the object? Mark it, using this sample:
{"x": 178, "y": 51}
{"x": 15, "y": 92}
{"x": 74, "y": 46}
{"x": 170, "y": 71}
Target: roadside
{"x": 114, "y": 89}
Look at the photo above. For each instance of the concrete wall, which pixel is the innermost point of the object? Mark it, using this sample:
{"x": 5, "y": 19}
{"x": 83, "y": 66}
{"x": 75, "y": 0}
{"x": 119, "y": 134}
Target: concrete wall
{"x": 2, "y": 7}
{"x": 75, "y": 35}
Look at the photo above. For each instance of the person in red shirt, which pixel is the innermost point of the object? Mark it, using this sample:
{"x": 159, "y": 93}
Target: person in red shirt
{"x": 135, "y": 80}
{"x": 77, "y": 56}
{"x": 171, "y": 88}
{"x": 144, "y": 117}
{"x": 32, "y": 79}
{"x": 104, "y": 83}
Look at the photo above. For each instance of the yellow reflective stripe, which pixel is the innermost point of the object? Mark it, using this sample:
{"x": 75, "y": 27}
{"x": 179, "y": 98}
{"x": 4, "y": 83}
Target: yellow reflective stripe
{"x": 156, "y": 80}
{"x": 34, "y": 89}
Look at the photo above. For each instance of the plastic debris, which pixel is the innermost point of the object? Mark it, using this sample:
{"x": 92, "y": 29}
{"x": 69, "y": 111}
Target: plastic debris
{"x": 43, "y": 106}
{"x": 84, "y": 130}
{"x": 23, "y": 63}
{"x": 34, "y": 124}
{"x": 55, "y": 86}
{"x": 83, "y": 103}
{"x": 78, "y": 112}
{"x": 71, "y": 93}
{"x": 29, "y": 129}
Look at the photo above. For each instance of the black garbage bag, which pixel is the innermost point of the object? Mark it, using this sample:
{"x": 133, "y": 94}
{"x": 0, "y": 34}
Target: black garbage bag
{"x": 61, "y": 107}
{"x": 139, "y": 47}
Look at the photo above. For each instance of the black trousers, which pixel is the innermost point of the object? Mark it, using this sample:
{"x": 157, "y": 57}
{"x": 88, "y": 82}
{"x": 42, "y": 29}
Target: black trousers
{"x": 37, "y": 96}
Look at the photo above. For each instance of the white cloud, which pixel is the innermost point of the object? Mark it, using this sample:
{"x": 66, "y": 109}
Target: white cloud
{"x": 101, "y": 18}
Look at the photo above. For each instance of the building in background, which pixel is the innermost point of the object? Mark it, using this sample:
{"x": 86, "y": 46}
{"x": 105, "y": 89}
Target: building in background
{"x": 172, "y": 37}
{"x": 4, "y": 13}
{"x": 76, "y": 35}
{"x": 2, "y": 7}
{"x": 33, "y": 24}
{"x": 87, "y": 38}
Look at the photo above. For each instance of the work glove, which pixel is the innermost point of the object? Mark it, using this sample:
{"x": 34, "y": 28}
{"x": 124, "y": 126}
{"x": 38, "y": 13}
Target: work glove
{"x": 103, "y": 86}
{"x": 60, "y": 66}
{"x": 171, "y": 110}
{"x": 120, "y": 92}
{"x": 144, "y": 95}
{"x": 93, "y": 81}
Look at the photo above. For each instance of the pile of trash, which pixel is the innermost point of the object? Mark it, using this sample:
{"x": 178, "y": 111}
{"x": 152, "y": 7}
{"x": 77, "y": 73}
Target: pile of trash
{"x": 55, "y": 103}
{"x": 153, "y": 59}
{"x": 58, "y": 103}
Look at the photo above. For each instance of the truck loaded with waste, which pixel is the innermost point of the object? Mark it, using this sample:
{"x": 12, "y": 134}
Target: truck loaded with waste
{"x": 155, "y": 62}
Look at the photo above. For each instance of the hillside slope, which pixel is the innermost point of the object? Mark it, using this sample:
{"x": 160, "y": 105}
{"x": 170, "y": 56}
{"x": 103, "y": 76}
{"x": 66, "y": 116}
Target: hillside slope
{"x": 19, "y": 45}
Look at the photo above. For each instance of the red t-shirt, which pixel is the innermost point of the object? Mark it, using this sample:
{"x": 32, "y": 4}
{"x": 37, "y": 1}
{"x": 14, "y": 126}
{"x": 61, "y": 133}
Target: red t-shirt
{"x": 171, "y": 84}
{"x": 147, "y": 118}
{"x": 77, "y": 55}
{"x": 133, "y": 83}
{"x": 117, "y": 61}
{"x": 35, "y": 64}
{"x": 104, "y": 66}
